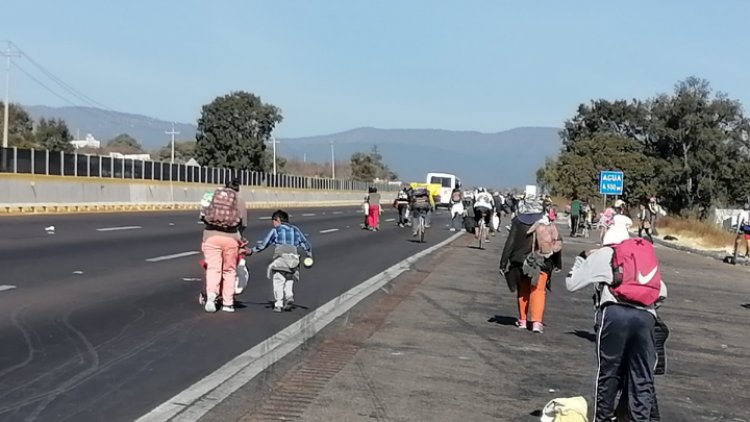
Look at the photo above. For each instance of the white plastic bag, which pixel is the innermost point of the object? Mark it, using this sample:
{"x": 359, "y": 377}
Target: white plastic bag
{"x": 495, "y": 222}
{"x": 243, "y": 277}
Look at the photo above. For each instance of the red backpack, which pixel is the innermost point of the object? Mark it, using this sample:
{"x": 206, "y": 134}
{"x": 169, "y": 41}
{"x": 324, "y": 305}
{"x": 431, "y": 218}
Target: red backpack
{"x": 636, "y": 272}
{"x": 223, "y": 211}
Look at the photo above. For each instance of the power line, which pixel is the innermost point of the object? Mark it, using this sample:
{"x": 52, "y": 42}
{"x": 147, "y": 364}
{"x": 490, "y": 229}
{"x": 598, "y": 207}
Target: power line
{"x": 76, "y": 93}
{"x": 40, "y": 83}
{"x": 53, "y": 92}
{"x": 101, "y": 110}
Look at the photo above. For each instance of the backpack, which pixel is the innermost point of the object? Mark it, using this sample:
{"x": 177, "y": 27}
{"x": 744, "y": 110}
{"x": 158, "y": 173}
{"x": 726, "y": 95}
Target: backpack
{"x": 223, "y": 211}
{"x": 637, "y": 279}
{"x": 548, "y": 239}
{"x": 421, "y": 198}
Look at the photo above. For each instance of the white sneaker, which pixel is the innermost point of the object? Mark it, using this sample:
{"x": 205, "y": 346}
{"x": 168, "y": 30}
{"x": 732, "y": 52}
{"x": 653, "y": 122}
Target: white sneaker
{"x": 453, "y": 229}
{"x": 210, "y": 303}
{"x": 227, "y": 308}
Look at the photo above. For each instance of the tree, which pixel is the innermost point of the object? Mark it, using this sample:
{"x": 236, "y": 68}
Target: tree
{"x": 124, "y": 144}
{"x": 701, "y": 137}
{"x": 577, "y": 170}
{"x": 53, "y": 135}
{"x": 688, "y": 147}
{"x": 183, "y": 151}
{"x": 20, "y": 127}
{"x": 368, "y": 167}
{"x": 233, "y": 131}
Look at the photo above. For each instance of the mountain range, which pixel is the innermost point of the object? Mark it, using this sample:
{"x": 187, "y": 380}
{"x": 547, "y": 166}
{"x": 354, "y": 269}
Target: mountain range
{"x": 504, "y": 159}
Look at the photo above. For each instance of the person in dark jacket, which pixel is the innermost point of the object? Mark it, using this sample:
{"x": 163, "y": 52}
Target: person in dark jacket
{"x": 531, "y": 291}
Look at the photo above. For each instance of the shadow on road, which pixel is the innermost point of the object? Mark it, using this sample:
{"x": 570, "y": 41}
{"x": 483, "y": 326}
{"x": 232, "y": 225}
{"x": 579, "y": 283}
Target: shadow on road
{"x": 270, "y": 303}
{"x": 475, "y": 247}
{"x": 503, "y": 320}
{"x": 746, "y": 305}
{"x": 586, "y": 335}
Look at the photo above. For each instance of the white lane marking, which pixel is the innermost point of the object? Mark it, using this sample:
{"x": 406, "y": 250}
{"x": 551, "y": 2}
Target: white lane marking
{"x": 198, "y": 399}
{"x": 329, "y": 231}
{"x": 173, "y": 256}
{"x": 264, "y": 218}
{"x": 114, "y": 229}
{"x": 6, "y": 287}
{"x": 390, "y": 219}
{"x": 337, "y": 212}
{"x": 309, "y": 214}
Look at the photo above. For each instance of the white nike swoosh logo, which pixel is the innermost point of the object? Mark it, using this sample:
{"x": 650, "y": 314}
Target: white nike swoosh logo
{"x": 645, "y": 279}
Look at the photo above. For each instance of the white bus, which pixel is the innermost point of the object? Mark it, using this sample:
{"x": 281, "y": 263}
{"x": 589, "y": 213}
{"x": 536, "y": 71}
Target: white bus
{"x": 447, "y": 183}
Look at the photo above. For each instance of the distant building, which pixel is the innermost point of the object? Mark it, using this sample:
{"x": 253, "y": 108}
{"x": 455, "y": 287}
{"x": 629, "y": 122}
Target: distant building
{"x": 89, "y": 142}
{"x": 139, "y": 157}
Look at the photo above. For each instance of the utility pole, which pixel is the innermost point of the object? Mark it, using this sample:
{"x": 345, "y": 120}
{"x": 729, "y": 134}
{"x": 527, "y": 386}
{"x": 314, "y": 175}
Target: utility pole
{"x": 333, "y": 162}
{"x": 173, "y": 133}
{"x": 8, "y": 53}
{"x": 274, "y": 142}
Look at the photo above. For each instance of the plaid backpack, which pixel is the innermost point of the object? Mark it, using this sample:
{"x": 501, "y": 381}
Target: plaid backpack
{"x": 223, "y": 211}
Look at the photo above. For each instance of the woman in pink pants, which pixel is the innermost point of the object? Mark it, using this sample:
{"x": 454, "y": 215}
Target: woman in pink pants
{"x": 373, "y": 215}
{"x": 221, "y": 246}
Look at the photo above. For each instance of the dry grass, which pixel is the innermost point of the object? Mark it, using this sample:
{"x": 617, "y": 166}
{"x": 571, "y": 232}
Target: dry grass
{"x": 697, "y": 233}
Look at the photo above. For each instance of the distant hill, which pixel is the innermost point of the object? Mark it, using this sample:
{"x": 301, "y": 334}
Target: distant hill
{"x": 503, "y": 159}
{"x": 105, "y": 125}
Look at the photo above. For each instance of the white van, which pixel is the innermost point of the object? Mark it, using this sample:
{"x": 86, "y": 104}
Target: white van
{"x": 447, "y": 183}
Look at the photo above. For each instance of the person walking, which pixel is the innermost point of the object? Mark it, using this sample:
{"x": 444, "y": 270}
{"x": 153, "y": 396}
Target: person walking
{"x": 644, "y": 222}
{"x": 575, "y": 215}
{"x": 530, "y": 255}
{"x": 402, "y": 205}
{"x": 656, "y": 211}
{"x": 225, "y": 220}
{"x": 373, "y": 210}
{"x": 457, "y": 210}
{"x": 284, "y": 267}
{"x": 628, "y": 285}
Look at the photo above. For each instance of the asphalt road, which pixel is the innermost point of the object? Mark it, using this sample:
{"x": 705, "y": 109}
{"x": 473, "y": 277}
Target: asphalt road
{"x": 100, "y": 321}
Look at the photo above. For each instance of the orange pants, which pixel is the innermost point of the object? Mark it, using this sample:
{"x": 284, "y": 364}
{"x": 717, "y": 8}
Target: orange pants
{"x": 531, "y": 298}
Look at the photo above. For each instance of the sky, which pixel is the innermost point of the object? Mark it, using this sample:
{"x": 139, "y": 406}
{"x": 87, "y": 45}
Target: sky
{"x": 334, "y": 65}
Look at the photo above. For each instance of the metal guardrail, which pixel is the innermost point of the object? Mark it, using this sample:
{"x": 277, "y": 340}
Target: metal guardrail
{"x": 45, "y": 162}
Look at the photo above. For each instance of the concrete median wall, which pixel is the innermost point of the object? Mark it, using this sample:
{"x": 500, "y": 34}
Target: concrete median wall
{"x": 29, "y": 194}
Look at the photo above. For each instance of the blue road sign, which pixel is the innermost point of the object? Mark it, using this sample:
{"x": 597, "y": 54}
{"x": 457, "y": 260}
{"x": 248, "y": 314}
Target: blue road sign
{"x": 610, "y": 182}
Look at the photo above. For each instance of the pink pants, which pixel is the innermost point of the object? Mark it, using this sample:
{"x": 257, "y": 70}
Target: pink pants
{"x": 220, "y": 253}
{"x": 373, "y": 216}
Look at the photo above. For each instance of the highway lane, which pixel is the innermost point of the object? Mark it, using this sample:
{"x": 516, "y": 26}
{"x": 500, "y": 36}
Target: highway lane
{"x": 76, "y": 242}
{"x": 127, "y": 334}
